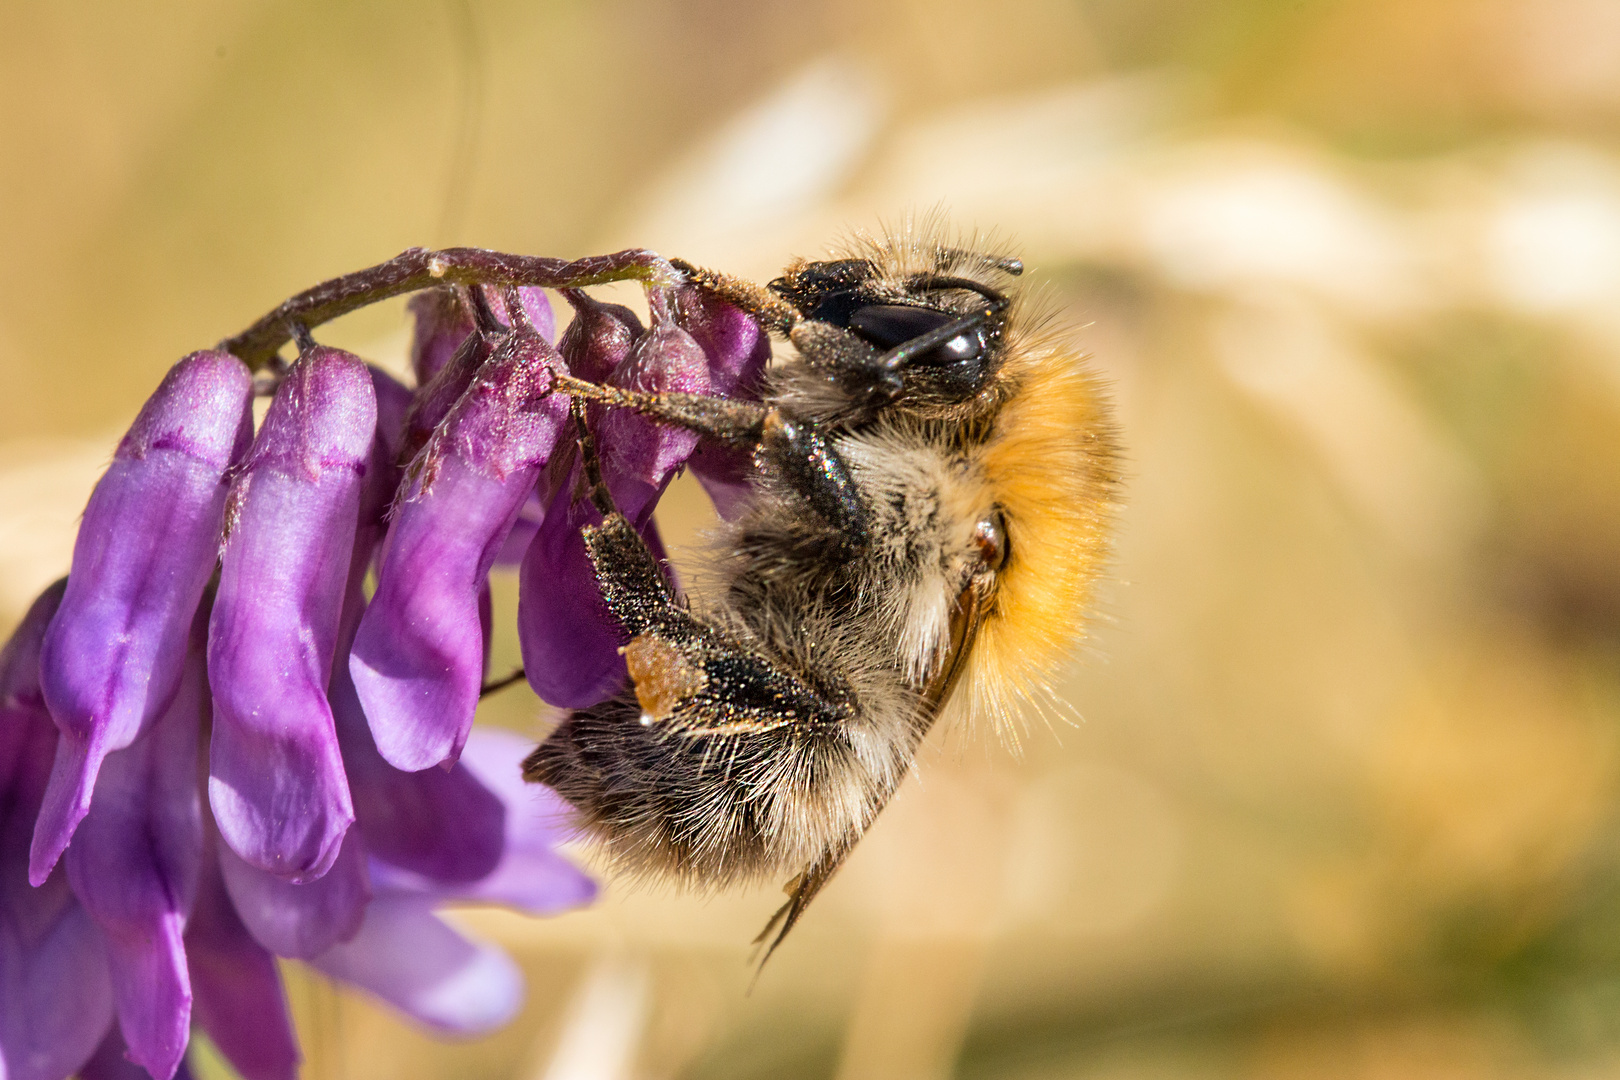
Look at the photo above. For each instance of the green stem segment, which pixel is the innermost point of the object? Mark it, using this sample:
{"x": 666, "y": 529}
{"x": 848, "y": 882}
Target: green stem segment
{"x": 420, "y": 268}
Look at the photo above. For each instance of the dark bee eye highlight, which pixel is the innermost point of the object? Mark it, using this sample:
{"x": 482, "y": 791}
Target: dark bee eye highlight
{"x": 957, "y": 360}
{"x": 889, "y": 325}
{"x": 991, "y": 536}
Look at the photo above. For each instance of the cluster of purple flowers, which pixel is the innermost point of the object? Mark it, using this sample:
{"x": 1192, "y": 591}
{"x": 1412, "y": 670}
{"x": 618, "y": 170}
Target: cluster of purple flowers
{"x": 216, "y": 750}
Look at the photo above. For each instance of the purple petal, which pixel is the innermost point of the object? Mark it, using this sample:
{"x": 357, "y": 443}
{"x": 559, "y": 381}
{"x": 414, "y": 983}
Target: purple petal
{"x": 134, "y": 864}
{"x": 569, "y": 638}
{"x": 531, "y": 876}
{"x": 239, "y": 1002}
{"x": 412, "y": 960}
{"x": 418, "y": 659}
{"x": 300, "y": 921}
{"x": 19, "y": 659}
{"x": 382, "y": 480}
{"x": 443, "y": 321}
{"x": 393, "y": 406}
{"x": 442, "y": 382}
{"x": 598, "y": 339}
{"x": 570, "y": 641}
{"x": 440, "y": 823}
{"x": 55, "y": 997}
{"x": 276, "y": 780}
{"x": 737, "y": 347}
{"x": 635, "y": 448}
{"x": 114, "y": 1061}
{"x": 536, "y": 307}
{"x": 146, "y": 548}
{"x": 434, "y": 401}
{"x": 523, "y": 530}
{"x": 727, "y": 476}
{"x": 739, "y": 350}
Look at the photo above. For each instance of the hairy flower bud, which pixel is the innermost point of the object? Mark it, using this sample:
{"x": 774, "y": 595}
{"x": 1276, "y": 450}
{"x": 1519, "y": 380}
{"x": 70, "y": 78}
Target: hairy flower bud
{"x": 112, "y": 657}
{"x": 444, "y": 318}
{"x": 276, "y": 781}
{"x": 739, "y": 350}
{"x": 418, "y": 658}
{"x": 134, "y": 864}
{"x": 570, "y": 642}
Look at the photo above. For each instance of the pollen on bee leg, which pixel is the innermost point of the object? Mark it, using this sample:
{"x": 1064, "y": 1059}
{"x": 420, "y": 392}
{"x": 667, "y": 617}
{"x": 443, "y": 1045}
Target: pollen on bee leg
{"x": 662, "y": 676}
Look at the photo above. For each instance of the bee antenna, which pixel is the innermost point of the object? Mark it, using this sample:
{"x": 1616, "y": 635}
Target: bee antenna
{"x": 998, "y": 299}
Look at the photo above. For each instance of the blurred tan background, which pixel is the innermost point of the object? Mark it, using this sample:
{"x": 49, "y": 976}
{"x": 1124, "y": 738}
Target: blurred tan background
{"x": 1345, "y": 798}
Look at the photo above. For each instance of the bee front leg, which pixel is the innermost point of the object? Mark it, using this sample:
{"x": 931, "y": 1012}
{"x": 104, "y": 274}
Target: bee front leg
{"x": 793, "y": 449}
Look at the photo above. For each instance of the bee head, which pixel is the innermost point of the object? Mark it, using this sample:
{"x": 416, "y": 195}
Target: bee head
{"x": 931, "y": 338}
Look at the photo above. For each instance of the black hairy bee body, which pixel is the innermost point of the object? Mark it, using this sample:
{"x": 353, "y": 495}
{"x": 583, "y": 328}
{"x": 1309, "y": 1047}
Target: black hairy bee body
{"x": 932, "y": 486}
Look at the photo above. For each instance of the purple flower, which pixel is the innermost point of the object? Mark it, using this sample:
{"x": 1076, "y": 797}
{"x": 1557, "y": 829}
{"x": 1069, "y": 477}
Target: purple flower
{"x": 418, "y": 658}
{"x": 197, "y": 779}
{"x": 73, "y": 955}
{"x": 738, "y": 350}
{"x": 276, "y": 782}
{"x": 570, "y": 642}
{"x": 111, "y": 662}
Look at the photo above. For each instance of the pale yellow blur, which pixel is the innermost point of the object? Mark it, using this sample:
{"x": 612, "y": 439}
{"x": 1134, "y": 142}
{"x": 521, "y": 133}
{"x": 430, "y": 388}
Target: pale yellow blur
{"x": 1345, "y": 798}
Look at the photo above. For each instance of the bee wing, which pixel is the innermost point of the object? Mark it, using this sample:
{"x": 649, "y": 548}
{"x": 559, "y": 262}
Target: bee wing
{"x": 966, "y": 615}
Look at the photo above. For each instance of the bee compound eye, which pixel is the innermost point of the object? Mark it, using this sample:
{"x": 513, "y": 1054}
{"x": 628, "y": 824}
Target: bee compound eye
{"x": 991, "y": 536}
{"x": 888, "y": 326}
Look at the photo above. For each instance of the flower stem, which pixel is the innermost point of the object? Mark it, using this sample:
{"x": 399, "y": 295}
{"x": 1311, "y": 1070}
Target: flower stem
{"x": 419, "y": 268}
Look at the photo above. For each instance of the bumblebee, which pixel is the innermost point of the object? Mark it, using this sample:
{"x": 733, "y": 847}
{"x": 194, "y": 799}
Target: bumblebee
{"x": 933, "y": 480}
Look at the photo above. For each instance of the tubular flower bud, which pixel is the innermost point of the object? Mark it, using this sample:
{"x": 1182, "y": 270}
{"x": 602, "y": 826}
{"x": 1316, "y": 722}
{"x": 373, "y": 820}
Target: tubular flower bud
{"x": 444, "y": 979}
{"x": 438, "y": 822}
{"x": 485, "y": 328}
{"x": 536, "y": 309}
{"x": 112, "y": 658}
{"x": 276, "y": 782}
{"x": 418, "y": 658}
{"x": 570, "y": 642}
{"x": 134, "y": 864}
{"x": 238, "y": 998}
{"x": 596, "y": 341}
{"x": 640, "y": 456}
{"x": 739, "y": 350}
{"x": 56, "y": 999}
{"x": 444, "y": 319}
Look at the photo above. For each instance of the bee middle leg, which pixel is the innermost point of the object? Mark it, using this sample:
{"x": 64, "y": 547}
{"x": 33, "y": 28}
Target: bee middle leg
{"x": 782, "y": 445}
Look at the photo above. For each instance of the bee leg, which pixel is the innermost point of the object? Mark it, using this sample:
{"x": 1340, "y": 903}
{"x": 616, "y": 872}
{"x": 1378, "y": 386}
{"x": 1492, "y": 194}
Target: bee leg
{"x": 849, "y": 360}
{"x": 756, "y": 300}
{"x": 793, "y": 449}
